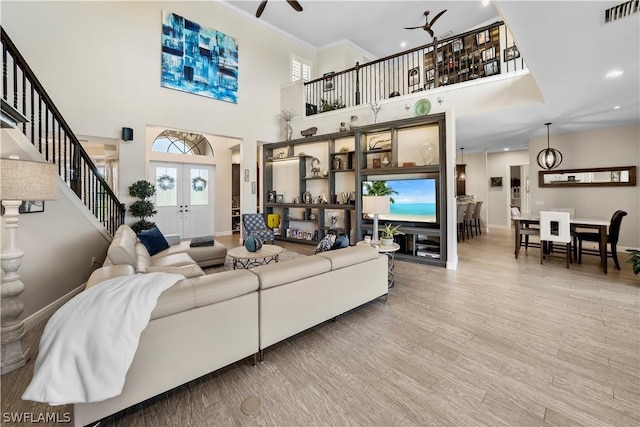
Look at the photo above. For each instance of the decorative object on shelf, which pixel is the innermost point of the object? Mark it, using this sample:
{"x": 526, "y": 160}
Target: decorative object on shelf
{"x": 312, "y": 216}
{"x": 408, "y": 164}
{"x": 422, "y": 107}
{"x": 376, "y": 163}
{"x": 344, "y": 149}
{"x": 279, "y": 198}
{"x": 290, "y": 151}
{"x": 315, "y": 166}
{"x": 337, "y": 163}
{"x": 325, "y": 173}
{"x": 345, "y": 197}
{"x": 198, "y": 184}
{"x": 252, "y": 243}
{"x": 281, "y": 155}
{"x": 166, "y": 182}
{"x": 343, "y": 127}
{"x": 549, "y": 158}
{"x": 323, "y": 198}
{"x": 463, "y": 176}
{"x": 309, "y": 132}
{"x": 385, "y": 161}
{"x": 287, "y": 116}
{"x": 496, "y": 181}
{"x": 271, "y": 196}
{"x": 388, "y": 233}
{"x": 376, "y": 140}
{"x": 428, "y": 153}
{"x": 376, "y": 109}
{"x": 273, "y": 220}
{"x": 306, "y": 198}
{"x": 334, "y": 222}
{"x": 352, "y": 122}
{"x": 19, "y": 180}
{"x": 142, "y": 208}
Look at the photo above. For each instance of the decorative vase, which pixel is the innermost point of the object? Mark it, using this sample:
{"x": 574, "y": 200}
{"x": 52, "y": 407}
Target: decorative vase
{"x": 428, "y": 153}
{"x": 253, "y": 243}
{"x": 288, "y": 130}
{"x": 386, "y": 242}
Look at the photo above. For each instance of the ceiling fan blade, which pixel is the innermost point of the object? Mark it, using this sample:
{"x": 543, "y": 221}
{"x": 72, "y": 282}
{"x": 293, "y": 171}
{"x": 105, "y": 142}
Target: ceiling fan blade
{"x": 437, "y": 16}
{"x": 261, "y": 8}
{"x": 294, "y": 4}
{"x": 413, "y": 28}
{"x": 428, "y": 30}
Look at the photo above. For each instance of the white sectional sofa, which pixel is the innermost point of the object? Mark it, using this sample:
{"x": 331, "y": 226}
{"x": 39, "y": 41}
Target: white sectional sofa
{"x": 204, "y": 323}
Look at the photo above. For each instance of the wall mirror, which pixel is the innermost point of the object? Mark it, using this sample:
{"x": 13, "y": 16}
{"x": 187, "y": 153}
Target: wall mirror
{"x": 613, "y": 176}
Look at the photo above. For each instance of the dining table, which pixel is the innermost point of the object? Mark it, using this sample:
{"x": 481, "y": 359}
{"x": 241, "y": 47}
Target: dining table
{"x": 591, "y": 223}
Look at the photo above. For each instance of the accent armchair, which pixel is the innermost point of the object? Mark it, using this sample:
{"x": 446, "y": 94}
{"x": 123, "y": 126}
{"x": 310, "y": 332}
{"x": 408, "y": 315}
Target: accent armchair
{"x": 254, "y": 223}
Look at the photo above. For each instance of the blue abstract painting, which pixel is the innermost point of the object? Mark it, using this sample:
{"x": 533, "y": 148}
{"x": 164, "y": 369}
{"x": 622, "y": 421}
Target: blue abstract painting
{"x": 198, "y": 60}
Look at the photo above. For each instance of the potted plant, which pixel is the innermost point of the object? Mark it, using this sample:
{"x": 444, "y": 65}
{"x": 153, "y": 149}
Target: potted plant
{"x": 389, "y": 230}
{"x": 634, "y": 260}
{"x": 142, "y": 208}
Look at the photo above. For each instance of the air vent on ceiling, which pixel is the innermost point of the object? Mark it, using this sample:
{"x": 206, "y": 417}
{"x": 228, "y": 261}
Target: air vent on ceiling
{"x": 620, "y": 11}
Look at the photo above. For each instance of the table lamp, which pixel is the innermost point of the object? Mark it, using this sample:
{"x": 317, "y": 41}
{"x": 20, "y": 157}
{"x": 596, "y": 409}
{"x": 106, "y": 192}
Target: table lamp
{"x": 19, "y": 180}
{"x": 376, "y": 205}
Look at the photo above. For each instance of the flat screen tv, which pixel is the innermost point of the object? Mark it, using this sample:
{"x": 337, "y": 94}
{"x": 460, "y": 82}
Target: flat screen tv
{"x": 416, "y": 201}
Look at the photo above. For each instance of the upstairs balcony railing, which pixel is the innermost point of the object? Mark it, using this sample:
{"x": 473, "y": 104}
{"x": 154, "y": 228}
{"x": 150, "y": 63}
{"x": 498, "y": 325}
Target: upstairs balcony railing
{"x": 476, "y": 54}
{"x": 51, "y": 135}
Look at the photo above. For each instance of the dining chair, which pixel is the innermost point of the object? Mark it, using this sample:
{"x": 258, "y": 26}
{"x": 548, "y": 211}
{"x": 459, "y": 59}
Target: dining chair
{"x": 476, "y": 218}
{"x": 555, "y": 227}
{"x": 612, "y": 239}
{"x": 468, "y": 219}
{"x": 461, "y": 209}
{"x": 254, "y": 223}
{"x": 525, "y": 232}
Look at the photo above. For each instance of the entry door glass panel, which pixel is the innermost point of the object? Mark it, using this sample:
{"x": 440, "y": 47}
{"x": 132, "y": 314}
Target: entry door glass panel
{"x": 166, "y": 186}
{"x": 199, "y": 187}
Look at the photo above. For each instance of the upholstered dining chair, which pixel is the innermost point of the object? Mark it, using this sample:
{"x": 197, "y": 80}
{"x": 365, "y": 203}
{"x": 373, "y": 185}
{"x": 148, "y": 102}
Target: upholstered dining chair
{"x": 612, "y": 239}
{"x": 555, "y": 227}
{"x": 526, "y": 231}
{"x": 254, "y": 223}
{"x": 462, "y": 208}
{"x": 468, "y": 219}
{"x": 476, "y": 218}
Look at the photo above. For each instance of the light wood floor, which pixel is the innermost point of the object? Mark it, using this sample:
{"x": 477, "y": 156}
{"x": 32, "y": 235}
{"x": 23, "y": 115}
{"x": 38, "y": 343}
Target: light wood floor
{"x": 498, "y": 342}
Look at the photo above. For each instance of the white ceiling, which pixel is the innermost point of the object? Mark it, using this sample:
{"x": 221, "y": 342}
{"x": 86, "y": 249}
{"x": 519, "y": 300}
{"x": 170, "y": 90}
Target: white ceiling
{"x": 566, "y": 45}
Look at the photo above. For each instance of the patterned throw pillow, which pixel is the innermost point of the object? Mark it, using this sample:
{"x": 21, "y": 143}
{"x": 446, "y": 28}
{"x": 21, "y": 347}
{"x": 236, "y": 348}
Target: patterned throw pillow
{"x": 325, "y": 244}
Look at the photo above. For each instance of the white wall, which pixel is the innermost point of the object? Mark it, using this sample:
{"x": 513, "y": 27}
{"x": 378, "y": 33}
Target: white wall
{"x": 476, "y": 182}
{"x": 600, "y": 148}
{"x": 100, "y": 62}
{"x": 499, "y": 200}
{"x": 338, "y": 56}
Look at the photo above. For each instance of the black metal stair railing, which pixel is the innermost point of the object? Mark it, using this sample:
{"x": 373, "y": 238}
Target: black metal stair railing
{"x": 51, "y": 135}
{"x": 468, "y": 56}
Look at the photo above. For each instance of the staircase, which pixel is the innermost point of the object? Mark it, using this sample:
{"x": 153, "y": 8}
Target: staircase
{"x": 27, "y": 106}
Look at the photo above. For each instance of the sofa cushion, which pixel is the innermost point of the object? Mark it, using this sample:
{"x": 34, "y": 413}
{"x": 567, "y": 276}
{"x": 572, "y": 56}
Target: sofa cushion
{"x": 223, "y": 286}
{"x": 290, "y": 271}
{"x": 153, "y": 240}
{"x": 175, "y": 260}
{"x": 341, "y": 242}
{"x": 350, "y": 256}
{"x": 202, "y": 255}
{"x": 122, "y": 249}
{"x": 180, "y": 297}
{"x": 105, "y": 273}
{"x": 188, "y": 271}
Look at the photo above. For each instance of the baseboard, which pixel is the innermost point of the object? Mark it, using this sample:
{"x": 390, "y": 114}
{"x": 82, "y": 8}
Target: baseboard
{"x": 46, "y": 312}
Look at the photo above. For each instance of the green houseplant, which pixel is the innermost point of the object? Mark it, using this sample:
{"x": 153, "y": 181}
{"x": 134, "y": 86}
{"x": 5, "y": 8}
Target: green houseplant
{"x": 388, "y": 232}
{"x": 634, "y": 260}
{"x": 379, "y": 188}
{"x": 142, "y": 208}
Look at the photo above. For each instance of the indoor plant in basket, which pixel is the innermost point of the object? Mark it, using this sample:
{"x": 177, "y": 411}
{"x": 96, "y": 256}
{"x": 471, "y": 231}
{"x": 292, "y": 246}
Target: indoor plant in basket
{"x": 634, "y": 260}
{"x": 386, "y": 236}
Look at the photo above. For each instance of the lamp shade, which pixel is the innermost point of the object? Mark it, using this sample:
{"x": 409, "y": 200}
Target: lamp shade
{"x": 376, "y": 204}
{"x": 28, "y": 180}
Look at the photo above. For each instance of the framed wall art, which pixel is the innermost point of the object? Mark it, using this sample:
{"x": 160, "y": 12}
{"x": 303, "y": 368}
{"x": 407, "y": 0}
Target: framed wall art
{"x": 414, "y": 76}
{"x": 511, "y": 53}
{"x": 31, "y": 206}
{"x": 496, "y": 181}
{"x": 483, "y": 37}
{"x": 327, "y": 83}
{"x": 198, "y": 60}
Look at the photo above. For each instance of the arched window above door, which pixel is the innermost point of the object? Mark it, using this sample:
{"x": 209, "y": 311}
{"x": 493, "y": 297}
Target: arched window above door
{"x": 179, "y": 142}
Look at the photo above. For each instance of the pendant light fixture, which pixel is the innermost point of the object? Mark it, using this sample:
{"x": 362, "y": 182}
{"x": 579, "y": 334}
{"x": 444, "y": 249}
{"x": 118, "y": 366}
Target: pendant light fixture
{"x": 462, "y": 176}
{"x": 549, "y": 158}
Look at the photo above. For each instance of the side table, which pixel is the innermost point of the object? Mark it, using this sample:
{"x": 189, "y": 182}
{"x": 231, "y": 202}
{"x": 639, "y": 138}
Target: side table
{"x": 390, "y": 252}
{"x": 242, "y": 258}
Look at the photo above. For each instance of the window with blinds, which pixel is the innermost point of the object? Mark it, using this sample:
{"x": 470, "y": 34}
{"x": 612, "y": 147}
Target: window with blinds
{"x": 300, "y": 69}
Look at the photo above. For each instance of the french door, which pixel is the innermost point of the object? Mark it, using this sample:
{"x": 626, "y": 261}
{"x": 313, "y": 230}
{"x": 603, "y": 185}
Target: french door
{"x": 184, "y": 198}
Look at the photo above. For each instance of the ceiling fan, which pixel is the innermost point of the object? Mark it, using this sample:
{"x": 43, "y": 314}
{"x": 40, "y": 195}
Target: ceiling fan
{"x": 293, "y": 3}
{"x": 427, "y": 25}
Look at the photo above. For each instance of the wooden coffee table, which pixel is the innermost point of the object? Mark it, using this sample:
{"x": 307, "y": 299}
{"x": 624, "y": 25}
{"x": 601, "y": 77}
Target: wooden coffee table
{"x": 242, "y": 258}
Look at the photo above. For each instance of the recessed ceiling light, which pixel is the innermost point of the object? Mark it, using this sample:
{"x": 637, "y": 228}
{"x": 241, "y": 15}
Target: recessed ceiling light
{"x": 505, "y": 149}
{"x": 403, "y": 44}
{"x": 485, "y": 3}
{"x": 614, "y": 73}
{"x": 617, "y": 107}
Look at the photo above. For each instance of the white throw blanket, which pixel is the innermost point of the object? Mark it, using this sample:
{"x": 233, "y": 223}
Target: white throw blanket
{"x": 89, "y": 343}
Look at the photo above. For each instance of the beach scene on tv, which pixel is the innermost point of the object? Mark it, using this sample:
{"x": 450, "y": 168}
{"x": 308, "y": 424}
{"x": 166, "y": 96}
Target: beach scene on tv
{"x": 414, "y": 200}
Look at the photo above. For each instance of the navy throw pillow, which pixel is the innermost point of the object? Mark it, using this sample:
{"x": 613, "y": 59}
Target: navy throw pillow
{"x": 153, "y": 240}
{"x": 325, "y": 244}
{"x": 341, "y": 242}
